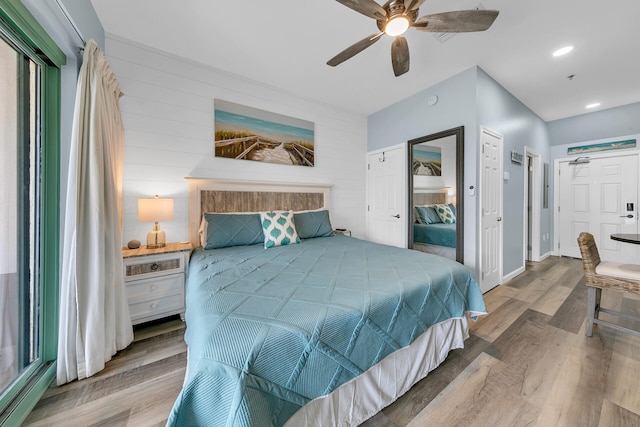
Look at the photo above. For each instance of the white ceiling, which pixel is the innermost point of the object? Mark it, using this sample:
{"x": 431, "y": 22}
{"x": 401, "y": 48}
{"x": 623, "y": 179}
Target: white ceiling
{"x": 286, "y": 43}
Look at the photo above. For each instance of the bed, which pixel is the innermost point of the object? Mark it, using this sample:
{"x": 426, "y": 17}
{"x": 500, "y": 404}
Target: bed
{"x": 327, "y": 331}
{"x": 430, "y": 233}
{"x": 438, "y": 234}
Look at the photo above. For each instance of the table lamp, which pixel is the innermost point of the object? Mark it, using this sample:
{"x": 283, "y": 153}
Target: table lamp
{"x": 154, "y": 210}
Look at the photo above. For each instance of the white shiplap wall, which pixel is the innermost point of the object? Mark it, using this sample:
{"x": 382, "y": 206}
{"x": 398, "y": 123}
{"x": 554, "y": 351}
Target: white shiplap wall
{"x": 169, "y": 125}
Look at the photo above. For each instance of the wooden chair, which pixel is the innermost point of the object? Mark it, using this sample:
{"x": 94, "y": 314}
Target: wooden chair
{"x": 599, "y": 275}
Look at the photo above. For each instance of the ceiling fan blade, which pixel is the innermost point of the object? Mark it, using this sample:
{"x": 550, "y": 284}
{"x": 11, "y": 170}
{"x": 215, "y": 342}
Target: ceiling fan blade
{"x": 410, "y": 5}
{"x": 354, "y": 49}
{"x": 461, "y": 21}
{"x": 400, "y": 56}
{"x": 366, "y": 7}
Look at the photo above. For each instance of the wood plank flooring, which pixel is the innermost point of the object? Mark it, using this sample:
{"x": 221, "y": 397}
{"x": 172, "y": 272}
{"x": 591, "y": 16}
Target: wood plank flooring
{"x": 528, "y": 363}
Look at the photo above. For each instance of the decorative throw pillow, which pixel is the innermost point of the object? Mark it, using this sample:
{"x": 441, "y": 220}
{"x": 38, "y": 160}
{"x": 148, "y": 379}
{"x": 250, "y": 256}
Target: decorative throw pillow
{"x": 313, "y": 224}
{"x": 223, "y": 230}
{"x": 427, "y": 215}
{"x": 445, "y": 213}
{"x": 278, "y": 229}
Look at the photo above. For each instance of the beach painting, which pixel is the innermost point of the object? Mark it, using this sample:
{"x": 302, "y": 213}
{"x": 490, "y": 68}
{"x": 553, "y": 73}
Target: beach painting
{"x": 251, "y": 134}
{"x": 616, "y": 145}
{"x": 427, "y": 160}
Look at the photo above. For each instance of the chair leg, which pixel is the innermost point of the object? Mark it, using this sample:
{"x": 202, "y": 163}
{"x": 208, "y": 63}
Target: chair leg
{"x": 593, "y": 300}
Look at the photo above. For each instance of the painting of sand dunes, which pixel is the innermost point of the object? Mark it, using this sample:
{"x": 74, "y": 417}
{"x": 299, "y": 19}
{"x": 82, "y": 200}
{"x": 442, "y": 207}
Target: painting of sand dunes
{"x": 247, "y": 133}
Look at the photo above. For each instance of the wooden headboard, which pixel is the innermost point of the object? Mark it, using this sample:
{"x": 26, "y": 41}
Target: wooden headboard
{"x": 429, "y": 196}
{"x": 225, "y": 195}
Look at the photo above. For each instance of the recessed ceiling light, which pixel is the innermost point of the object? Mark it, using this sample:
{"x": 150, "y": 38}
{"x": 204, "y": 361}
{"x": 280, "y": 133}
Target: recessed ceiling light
{"x": 593, "y": 105}
{"x": 563, "y": 51}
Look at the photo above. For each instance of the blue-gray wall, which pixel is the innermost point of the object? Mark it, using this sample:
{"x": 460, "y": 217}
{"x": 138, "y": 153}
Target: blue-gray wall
{"x": 473, "y": 99}
{"x": 610, "y": 123}
{"x": 413, "y": 117}
{"x": 86, "y": 19}
{"x": 500, "y": 111}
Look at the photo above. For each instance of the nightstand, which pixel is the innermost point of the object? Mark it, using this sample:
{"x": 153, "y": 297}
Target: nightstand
{"x": 155, "y": 279}
{"x": 344, "y": 231}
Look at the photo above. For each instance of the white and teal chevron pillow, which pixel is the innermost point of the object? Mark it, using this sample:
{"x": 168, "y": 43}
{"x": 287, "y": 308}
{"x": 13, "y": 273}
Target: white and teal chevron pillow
{"x": 278, "y": 229}
{"x": 445, "y": 213}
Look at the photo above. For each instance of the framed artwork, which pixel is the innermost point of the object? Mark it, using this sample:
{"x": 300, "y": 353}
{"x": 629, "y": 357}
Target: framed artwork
{"x": 427, "y": 160}
{"x": 251, "y": 134}
{"x": 603, "y": 146}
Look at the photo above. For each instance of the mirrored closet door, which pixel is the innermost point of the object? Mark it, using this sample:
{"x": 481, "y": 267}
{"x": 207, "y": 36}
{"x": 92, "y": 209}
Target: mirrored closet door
{"x": 436, "y": 179}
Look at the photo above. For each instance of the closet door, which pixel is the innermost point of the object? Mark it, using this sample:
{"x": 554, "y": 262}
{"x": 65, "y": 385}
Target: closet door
{"x": 386, "y": 196}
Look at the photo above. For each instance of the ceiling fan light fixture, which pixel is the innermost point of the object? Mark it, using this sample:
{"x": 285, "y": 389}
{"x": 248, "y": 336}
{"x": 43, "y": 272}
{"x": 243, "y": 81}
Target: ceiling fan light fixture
{"x": 397, "y": 25}
{"x": 563, "y": 51}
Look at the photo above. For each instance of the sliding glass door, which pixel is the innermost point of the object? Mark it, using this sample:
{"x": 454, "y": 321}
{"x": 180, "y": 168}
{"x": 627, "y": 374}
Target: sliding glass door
{"x": 29, "y": 209}
{"x": 19, "y": 212}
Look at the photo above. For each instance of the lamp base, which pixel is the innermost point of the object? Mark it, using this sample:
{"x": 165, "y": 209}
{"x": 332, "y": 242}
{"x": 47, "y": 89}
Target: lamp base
{"x": 156, "y": 239}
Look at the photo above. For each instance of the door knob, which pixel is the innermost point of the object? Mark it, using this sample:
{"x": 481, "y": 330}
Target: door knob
{"x": 626, "y": 216}
{"x": 499, "y": 218}
{"x": 396, "y": 216}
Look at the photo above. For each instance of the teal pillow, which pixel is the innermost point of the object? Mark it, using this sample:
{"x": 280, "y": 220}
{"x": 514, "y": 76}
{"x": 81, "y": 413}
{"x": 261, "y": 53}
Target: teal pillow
{"x": 427, "y": 215}
{"x": 232, "y": 230}
{"x": 278, "y": 229}
{"x": 313, "y": 224}
{"x": 453, "y": 209}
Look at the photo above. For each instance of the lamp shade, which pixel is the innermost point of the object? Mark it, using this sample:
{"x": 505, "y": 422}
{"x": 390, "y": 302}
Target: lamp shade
{"x": 155, "y": 209}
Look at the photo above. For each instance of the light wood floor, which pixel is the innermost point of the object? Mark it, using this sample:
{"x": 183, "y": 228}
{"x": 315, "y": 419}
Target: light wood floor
{"x": 528, "y": 363}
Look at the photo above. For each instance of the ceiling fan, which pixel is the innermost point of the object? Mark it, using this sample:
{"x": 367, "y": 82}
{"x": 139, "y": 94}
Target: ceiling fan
{"x": 397, "y": 16}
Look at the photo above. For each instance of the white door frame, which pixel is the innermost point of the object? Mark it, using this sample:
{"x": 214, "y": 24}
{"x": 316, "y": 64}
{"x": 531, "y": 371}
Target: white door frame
{"x": 536, "y": 197}
{"x": 556, "y": 188}
{"x": 404, "y": 190}
{"x": 481, "y": 207}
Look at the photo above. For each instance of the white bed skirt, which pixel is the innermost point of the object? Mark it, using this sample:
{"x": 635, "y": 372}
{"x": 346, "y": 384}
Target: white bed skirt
{"x": 435, "y": 249}
{"x": 364, "y": 396}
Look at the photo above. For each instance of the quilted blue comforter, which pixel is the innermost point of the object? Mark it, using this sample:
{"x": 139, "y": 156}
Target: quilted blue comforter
{"x": 269, "y": 330}
{"x": 435, "y": 234}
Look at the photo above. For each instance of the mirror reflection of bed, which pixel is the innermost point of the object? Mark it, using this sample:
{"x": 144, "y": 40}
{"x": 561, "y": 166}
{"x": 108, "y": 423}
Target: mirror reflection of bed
{"x": 430, "y": 233}
{"x": 436, "y": 177}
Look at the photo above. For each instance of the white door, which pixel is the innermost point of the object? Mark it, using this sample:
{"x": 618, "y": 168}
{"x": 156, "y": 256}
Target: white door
{"x": 386, "y": 197}
{"x": 597, "y": 195}
{"x": 490, "y": 191}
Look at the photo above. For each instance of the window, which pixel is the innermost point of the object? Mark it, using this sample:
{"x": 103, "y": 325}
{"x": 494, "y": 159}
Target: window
{"x": 29, "y": 211}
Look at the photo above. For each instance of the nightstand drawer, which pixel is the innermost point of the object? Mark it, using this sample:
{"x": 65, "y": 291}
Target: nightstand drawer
{"x": 153, "y": 268}
{"x": 154, "y": 280}
{"x": 156, "y": 308}
{"x": 155, "y": 287}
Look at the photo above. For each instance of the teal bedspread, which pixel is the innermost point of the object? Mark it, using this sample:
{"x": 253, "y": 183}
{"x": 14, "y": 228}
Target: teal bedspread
{"x": 435, "y": 234}
{"x": 269, "y": 330}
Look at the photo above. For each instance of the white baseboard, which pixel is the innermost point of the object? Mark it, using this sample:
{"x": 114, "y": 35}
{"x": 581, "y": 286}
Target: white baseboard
{"x": 547, "y": 255}
{"x": 513, "y": 274}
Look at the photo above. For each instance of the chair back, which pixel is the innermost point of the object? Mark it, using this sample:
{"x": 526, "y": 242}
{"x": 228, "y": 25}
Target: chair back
{"x": 589, "y": 252}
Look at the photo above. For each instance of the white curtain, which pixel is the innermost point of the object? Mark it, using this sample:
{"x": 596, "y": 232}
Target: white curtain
{"x": 94, "y": 315}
